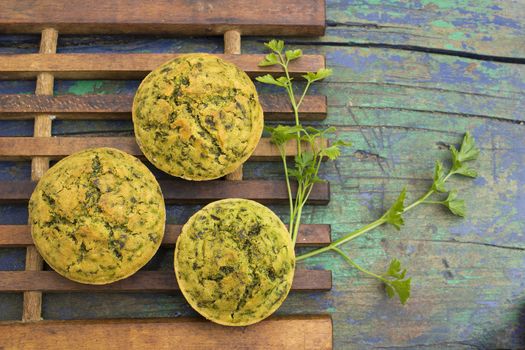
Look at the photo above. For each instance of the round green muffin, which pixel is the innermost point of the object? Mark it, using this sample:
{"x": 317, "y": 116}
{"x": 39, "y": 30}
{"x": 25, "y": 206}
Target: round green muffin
{"x": 97, "y": 216}
{"x": 197, "y": 117}
{"x": 234, "y": 262}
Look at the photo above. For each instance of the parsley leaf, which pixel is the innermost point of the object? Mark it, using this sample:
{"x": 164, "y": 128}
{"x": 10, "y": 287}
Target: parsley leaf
{"x": 455, "y": 205}
{"x": 275, "y": 45}
{"x": 466, "y": 171}
{"x": 396, "y": 283}
{"x": 467, "y": 152}
{"x": 394, "y": 214}
{"x": 334, "y": 151}
{"x": 399, "y": 287}
{"x": 283, "y": 133}
{"x": 269, "y": 60}
{"x": 439, "y": 174}
{"x": 320, "y": 74}
{"x": 293, "y": 54}
{"x": 268, "y": 79}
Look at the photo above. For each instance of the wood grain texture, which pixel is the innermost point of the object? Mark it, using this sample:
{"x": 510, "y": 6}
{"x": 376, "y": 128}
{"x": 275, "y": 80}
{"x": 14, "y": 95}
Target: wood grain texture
{"x": 142, "y": 281}
{"x": 276, "y": 107}
{"x": 232, "y": 45}
{"x": 127, "y": 66}
{"x": 251, "y": 17}
{"x": 58, "y": 147}
{"x": 184, "y": 192}
{"x": 470, "y": 26}
{"x": 401, "y": 109}
{"x": 32, "y": 308}
{"x": 276, "y": 333}
{"x": 232, "y": 42}
{"x": 309, "y": 235}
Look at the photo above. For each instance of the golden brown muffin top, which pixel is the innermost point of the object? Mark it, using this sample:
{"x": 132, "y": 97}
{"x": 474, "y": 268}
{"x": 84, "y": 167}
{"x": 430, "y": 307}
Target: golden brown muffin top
{"x": 197, "y": 117}
{"x": 97, "y": 216}
{"x": 234, "y": 262}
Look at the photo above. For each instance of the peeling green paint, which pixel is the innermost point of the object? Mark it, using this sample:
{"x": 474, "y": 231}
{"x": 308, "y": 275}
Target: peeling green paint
{"x": 442, "y": 24}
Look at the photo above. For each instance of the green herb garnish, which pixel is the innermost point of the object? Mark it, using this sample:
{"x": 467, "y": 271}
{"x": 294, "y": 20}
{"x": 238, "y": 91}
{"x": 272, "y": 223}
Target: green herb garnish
{"x": 311, "y": 149}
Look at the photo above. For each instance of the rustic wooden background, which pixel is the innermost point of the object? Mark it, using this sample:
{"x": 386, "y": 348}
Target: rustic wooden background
{"x": 410, "y": 78}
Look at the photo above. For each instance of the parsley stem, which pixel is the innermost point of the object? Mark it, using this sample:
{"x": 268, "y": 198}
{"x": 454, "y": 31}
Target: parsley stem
{"x": 290, "y": 200}
{"x": 304, "y": 93}
{"x": 344, "y": 239}
{"x": 357, "y": 266}
{"x": 419, "y": 201}
{"x": 296, "y": 226}
{"x": 433, "y": 202}
{"x": 289, "y": 89}
{"x": 361, "y": 231}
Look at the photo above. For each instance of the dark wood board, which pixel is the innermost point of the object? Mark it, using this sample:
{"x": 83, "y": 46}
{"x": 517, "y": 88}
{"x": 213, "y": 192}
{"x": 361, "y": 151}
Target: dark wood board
{"x": 275, "y": 333}
{"x": 128, "y": 66}
{"x": 185, "y": 192}
{"x": 251, "y": 17}
{"x": 309, "y": 235}
{"x": 142, "y": 281}
{"x": 59, "y": 147}
{"x": 276, "y": 107}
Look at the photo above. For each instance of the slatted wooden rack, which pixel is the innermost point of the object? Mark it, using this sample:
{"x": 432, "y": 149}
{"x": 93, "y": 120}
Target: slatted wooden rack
{"x": 228, "y": 18}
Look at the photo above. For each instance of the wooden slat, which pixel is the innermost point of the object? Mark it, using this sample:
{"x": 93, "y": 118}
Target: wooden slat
{"x": 59, "y": 147}
{"x": 232, "y": 45}
{"x": 276, "y": 333}
{"x": 18, "y": 106}
{"x": 251, "y": 17}
{"x": 126, "y": 66}
{"x": 181, "y": 192}
{"x": 142, "y": 281}
{"x": 309, "y": 235}
{"x": 32, "y": 307}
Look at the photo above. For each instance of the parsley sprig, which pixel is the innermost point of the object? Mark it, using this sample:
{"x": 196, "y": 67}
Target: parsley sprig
{"x": 312, "y": 148}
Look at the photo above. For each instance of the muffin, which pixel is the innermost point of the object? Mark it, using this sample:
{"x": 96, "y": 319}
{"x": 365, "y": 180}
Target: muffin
{"x": 97, "y": 216}
{"x": 234, "y": 262}
{"x": 197, "y": 117}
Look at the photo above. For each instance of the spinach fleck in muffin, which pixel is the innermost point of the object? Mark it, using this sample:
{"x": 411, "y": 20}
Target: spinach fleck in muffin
{"x": 234, "y": 262}
{"x": 97, "y": 216}
{"x": 197, "y": 117}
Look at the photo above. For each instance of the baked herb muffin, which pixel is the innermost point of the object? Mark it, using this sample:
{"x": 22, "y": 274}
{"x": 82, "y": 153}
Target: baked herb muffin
{"x": 197, "y": 117}
{"x": 97, "y": 216}
{"x": 234, "y": 262}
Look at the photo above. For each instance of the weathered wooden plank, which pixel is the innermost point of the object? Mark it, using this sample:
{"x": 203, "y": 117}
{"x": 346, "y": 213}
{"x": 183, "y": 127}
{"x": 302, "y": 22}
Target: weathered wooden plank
{"x": 276, "y": 107}
{"x": 58, "y": 147}
{"x": 409, "y": 107}
{"x": 32, "y": 307}
{"x": 142, "y": 281}
{"x": 180, "y": 191}
{"x": 251, "y": 17}
{"x": 309, "y": 235}
{"x": 127, "y": 66}
{"x": 276, "y": 333}
{"x": 472, "y": 26}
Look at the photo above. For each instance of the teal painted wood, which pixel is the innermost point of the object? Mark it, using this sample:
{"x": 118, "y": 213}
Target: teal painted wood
{"x": 479, "y": 27}
{"x": 401, "y": 109}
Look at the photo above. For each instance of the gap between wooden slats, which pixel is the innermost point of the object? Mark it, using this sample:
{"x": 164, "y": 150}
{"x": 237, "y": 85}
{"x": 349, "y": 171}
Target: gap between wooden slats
{"x": 296, "y": 332}
{"x": 184, "y": 192}
{"x": 311, "y": 235}
{"x": 142, "y": 281}
{"x": 58, "y": 147}
{"x": 20, "y": 106}
{"x": 128, "y": 66}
